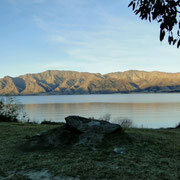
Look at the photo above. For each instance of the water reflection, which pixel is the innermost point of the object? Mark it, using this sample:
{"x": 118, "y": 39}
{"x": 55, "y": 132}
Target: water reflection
{"x": 102, "y": 98}
{"x": 151, "y": 115}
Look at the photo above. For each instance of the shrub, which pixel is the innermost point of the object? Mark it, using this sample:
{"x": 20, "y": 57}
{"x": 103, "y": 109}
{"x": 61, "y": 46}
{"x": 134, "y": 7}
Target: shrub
{"x": 91, "y": 118}
{"x": 10, "y": 111}
{"x": 106, "y": 117}
{"x": 123, "y": 122}
{"x": 50, "y": 122}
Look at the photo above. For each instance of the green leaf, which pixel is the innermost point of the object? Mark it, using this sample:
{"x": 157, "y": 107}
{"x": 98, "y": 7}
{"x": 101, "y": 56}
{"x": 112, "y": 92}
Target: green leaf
{"x": 178, "y": 44}
{"x": 178, "y": 33}
{"x": 174, "y": 41}
{"x": 162, "y": 34}
{"x": 130, "y": 4}
{"x": 134, "y": 6}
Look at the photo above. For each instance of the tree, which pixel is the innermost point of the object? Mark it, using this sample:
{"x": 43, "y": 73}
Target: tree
{"x": 165, "y": 12}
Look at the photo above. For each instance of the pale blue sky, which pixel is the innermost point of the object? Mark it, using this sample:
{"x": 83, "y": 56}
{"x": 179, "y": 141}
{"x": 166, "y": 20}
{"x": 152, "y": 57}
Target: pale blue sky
{"x": 81, "y": 35}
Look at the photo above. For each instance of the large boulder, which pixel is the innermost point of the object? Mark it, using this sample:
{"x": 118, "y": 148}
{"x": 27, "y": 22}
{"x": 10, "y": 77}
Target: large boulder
{"x": 91, "y": 125}
{"x": 92, "y": 131}
{"x": 78, "y": 131}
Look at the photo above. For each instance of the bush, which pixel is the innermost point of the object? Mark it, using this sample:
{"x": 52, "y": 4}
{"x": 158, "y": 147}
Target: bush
{"x": 10, "y": 111}
{"x": 106, "y": 117}
{"x": 50, "y": 122}
{"x": 123, "y": 122}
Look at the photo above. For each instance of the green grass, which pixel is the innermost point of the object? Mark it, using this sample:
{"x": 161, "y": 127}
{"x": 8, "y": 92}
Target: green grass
{"x": 141, "y": 154}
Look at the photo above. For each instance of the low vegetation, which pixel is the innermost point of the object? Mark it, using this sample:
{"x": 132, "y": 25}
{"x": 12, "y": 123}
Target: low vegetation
{"x": 50, "y": 122}
{"x": 10, "y": 111}
{"x": 123, "y": 122}
{"x": 137, "y": 154}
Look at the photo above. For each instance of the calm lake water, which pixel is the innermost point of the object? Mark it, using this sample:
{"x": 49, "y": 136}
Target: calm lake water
{"x": 145, "y": 110}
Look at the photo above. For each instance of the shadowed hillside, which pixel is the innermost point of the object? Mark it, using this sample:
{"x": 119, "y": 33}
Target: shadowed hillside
{"x": 71, "y": 82}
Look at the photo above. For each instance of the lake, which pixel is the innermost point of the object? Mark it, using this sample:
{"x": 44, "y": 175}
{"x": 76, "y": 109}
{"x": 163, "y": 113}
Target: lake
{"x": 145, "y": 110}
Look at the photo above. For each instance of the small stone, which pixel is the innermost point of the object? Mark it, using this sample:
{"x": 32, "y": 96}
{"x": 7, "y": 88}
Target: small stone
{"x": 119, "y": 150}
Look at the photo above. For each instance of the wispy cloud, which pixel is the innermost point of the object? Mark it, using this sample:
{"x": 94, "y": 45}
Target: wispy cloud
{"x": 27, "y": 1}
{"x": 58, "y": 39}
{"x": 115, "y": 42}
{"x": 55, "y": 65}
{"x": 96, "y": 36}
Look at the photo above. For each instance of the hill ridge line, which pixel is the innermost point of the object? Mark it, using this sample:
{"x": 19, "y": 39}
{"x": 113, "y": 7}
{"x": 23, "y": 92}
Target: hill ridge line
{"x": 74, "y": 82}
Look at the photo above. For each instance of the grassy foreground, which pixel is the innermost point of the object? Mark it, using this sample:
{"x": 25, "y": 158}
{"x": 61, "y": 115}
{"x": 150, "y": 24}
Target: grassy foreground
{"x": 141, "y": 154}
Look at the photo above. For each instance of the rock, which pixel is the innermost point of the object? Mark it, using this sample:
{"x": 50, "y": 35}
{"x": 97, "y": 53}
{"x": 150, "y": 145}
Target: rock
{"x": 62, "y": 136}
{"x": 93, "y": 131}
{"x": 119, "y": 150}
{"x": 78, "y": 131}
{"x": 91, "y": 125}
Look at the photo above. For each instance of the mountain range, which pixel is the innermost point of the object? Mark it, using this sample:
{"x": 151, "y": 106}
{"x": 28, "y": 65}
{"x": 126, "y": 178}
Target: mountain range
{"x": 72, "y": 82}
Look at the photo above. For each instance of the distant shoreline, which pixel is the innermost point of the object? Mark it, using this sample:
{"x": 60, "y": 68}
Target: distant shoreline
{"x": 44, "y": 94}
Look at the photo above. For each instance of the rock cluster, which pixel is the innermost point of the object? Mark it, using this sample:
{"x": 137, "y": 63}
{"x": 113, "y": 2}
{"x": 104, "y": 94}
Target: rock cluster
{"x": 77, "y": 131}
